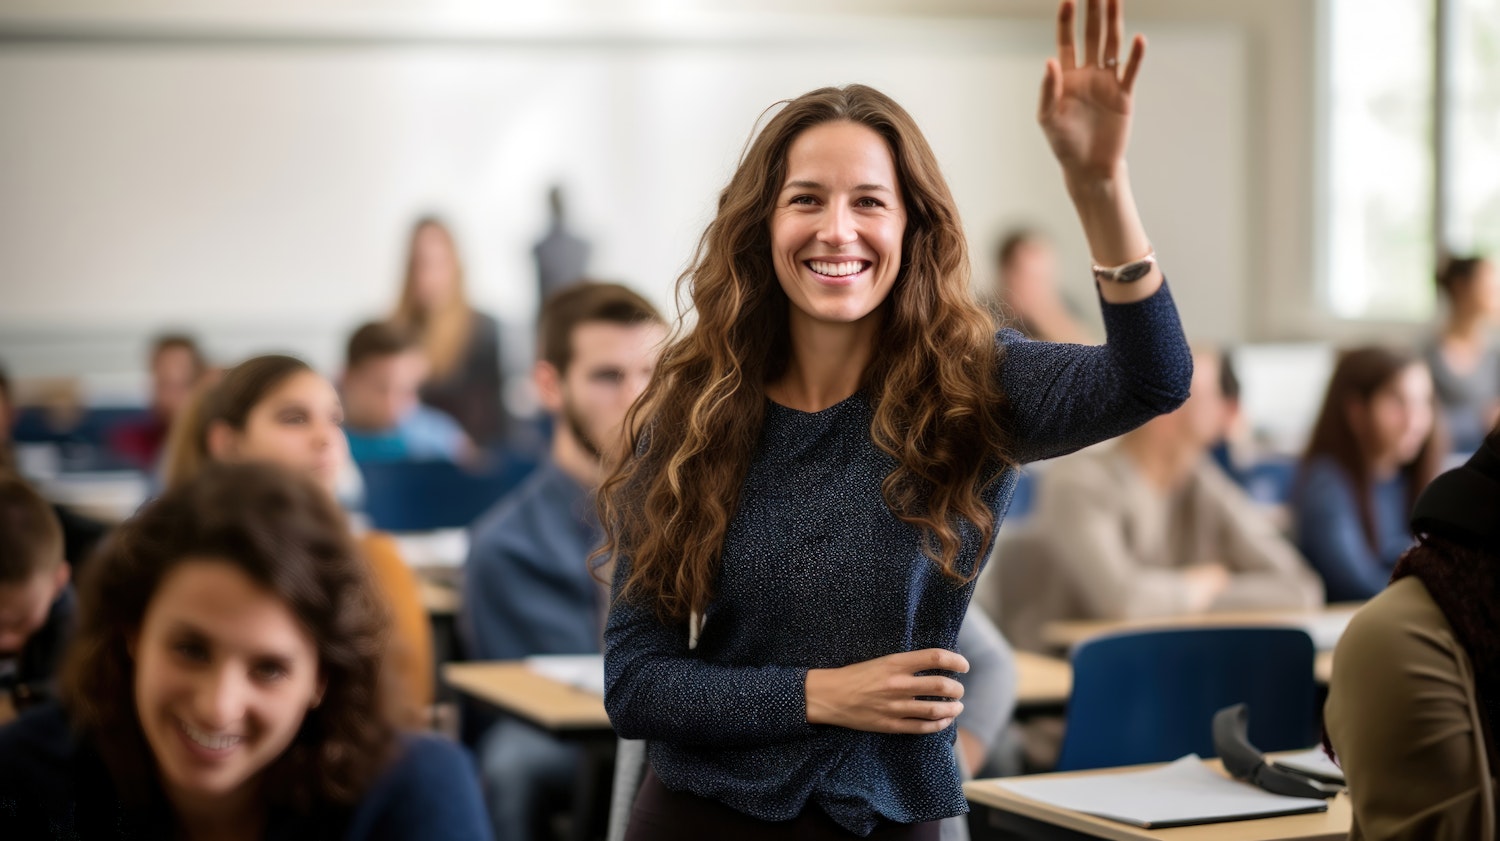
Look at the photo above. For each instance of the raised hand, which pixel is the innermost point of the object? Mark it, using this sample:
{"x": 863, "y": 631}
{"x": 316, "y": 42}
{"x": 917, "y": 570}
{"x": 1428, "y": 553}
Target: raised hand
{"x": 1086, "y": 98}
{"x": 881, "y": 695}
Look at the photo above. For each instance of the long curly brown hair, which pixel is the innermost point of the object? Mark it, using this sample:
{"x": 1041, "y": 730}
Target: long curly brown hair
{"x": 290, "y": 537}
{"x": 932, "y": 382}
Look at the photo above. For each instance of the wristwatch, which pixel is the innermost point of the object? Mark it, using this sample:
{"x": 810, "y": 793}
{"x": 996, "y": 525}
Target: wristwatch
{"x": 1128, "y": 272}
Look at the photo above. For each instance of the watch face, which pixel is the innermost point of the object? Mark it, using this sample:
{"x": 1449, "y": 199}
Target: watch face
{"x": 1134, "y": 272}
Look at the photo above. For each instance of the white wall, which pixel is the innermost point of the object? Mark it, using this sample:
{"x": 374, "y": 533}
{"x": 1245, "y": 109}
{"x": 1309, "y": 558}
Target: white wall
{"x": 252, "y": 177}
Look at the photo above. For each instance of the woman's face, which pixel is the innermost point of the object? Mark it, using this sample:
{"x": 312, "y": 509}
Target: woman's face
{"x": 298, "y": 424}
{"x": 435, "y": 267}
{"x": 224, "y": 676}
{"x": 1399, "y": 416}
{"x": 837, "y": 227}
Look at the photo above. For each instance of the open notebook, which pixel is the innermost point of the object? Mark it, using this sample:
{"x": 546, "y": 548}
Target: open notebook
{"x": 1183, "y": 793}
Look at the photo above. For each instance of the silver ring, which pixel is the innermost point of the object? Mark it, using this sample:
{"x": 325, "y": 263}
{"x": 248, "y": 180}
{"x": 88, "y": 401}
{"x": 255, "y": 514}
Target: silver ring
{"x": 1111, "y": 62}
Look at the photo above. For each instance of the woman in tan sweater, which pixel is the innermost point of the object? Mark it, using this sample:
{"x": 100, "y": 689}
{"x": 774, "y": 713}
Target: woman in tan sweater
{"x": 1413, "y": 703}
{"x": 277, "y": 409}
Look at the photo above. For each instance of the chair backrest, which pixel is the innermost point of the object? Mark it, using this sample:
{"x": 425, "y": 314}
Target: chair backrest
{"x": 1150, "y": 696}
{"x": 426, "y": 495}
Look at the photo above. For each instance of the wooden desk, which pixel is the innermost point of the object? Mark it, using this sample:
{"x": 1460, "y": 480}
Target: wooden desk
{"x": 514, "y": 688}
{"x": 440, "y": 599}
{"x": 1069, "y": 634}
{"x": 1042, "y": 681}
{"x": 999, "y": 805}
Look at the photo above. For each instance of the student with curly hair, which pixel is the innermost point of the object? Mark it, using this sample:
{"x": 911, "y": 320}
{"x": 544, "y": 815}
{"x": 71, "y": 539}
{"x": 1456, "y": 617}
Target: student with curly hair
{"x": 224, "y": 683}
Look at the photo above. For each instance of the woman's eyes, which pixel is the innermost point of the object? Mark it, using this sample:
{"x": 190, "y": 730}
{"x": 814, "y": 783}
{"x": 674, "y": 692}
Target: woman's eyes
{"x": 866, "y": 202}
{"x": 191, "y": 650}
{"x": 267, "y": 672}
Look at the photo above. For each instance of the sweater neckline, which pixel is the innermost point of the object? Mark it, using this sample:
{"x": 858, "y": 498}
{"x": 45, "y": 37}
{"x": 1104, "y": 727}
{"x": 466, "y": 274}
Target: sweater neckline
{"x": 798, "y": 413}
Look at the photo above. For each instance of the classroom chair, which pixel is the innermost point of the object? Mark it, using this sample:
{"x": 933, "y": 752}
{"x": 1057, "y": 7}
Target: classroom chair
{"x": 406, "y": 496}
{"x": 1150, "y": 696}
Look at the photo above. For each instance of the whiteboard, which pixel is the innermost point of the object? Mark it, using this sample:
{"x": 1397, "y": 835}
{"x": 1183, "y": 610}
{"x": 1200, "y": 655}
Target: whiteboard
{"x": 260, "y": 191}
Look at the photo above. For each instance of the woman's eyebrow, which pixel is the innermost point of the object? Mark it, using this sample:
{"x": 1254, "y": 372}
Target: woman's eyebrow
{"x": 813, "y": 185}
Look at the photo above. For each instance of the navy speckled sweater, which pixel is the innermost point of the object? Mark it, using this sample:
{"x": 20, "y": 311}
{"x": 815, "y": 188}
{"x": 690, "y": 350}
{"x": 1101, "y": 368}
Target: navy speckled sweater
{"x": 818, "y": 573}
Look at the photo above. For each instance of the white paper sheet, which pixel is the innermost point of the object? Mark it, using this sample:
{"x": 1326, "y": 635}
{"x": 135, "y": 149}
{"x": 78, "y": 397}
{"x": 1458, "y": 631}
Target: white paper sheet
{"x": 580, "y": 671}
{"x": 1183, "y": 792}
{"x": 1326, "y": 629}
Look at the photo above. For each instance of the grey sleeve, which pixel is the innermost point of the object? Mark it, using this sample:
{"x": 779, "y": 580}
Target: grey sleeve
{"x": 990, "y": 684}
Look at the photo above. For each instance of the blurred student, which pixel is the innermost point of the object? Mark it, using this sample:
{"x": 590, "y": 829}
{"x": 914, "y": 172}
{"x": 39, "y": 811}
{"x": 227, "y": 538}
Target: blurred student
{"x": 36, "y": 603}
{"x": 1412, "y": 706}
{"x": 1375, "y": 445}
{"x": 225, "y": 684}
{"x": 80, "y": 534}
{"x": 1230, "y": 427}
{"x": 528, "y": 587}
{"x": 462, "y": 345}
{"x": 383, "y": 417}
{"x": 1464, "y": 362}
{"x": 177, "y": 366}
{"x": 1028, "y": 293}
{"x": 1148, "y": 526}
{"x": 276, "y": 409}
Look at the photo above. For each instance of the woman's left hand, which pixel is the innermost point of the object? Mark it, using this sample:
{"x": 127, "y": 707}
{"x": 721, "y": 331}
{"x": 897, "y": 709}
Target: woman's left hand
{"x": 1086, "y": 98}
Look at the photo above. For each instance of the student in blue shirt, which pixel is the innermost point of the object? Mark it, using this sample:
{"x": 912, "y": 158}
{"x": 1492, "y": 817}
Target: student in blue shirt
{"x": 528, "y": 587}
{"x": 383, "y": 417}
{"x": 225, "y": 684}
{"x": 822, "y": 458}
{"x": 1374, "y": 447}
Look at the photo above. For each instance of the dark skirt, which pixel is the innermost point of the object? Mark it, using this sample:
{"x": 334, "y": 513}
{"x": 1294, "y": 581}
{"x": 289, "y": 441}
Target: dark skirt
{"x": 661, "y": 814}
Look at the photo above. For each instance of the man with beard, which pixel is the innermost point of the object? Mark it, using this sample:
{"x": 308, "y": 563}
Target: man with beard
{"x": 528, "y": 586}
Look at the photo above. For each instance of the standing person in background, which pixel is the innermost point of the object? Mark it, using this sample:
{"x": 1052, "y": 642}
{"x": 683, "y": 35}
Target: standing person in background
{"x": 383, "y": 416}
{"x": 561, "y": 256}
{"x": 1464, "y": 361}
{"x": 820, "y": 463}
{"x": 225, "y": 685}
{"x": 1375, "y": 445}
{"x": 276, "y": 409}
{"x": 1026, "y": 286}
{"x": 462, "y": 344}
{"x": 1147, "y": 526}
{"x": 177, "y": 367}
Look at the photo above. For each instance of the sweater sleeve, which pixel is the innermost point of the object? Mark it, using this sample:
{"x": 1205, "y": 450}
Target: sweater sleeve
{"x": 1266, "y": 571}
{"x": 1080, "y": 519}
{"x": 656, "y": 688}
{"x": 430, "y": 791}
{"x": 409, "y": 653}
{"x": 1330, "y": 535}
{"x": 1065, "y": 397}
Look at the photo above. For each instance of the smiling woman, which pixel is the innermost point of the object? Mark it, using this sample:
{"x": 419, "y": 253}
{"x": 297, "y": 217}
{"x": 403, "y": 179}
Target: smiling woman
{"x": 822, "y": 460}
{"x": 224, "y": 684}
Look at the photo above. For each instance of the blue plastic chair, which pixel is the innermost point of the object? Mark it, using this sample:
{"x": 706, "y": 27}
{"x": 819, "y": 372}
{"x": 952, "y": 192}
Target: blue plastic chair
{"x": 1150, "y": 696}
{"x": 427, "y": 495}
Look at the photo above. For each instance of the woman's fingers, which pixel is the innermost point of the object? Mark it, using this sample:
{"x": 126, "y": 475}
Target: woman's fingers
{"x": 1093, "y": 29}
{"x": 1066, "y": 54}
{"x": 926, "y": 659}
{"x": 1051, "y": 89}
{"x": 1114, "y": 33}
{"x": 1133, "y": 66}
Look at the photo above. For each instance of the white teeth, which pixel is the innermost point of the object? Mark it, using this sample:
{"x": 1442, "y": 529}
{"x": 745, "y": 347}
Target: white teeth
{"x": 209, "y": 740}
{"x": 842, "y": 269}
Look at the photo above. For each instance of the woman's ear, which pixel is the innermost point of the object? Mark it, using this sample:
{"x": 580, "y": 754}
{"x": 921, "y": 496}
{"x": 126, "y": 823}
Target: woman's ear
{"x": 221, "y": 441}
